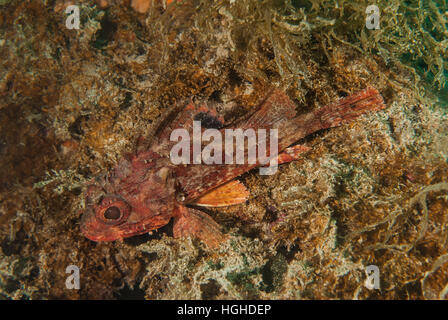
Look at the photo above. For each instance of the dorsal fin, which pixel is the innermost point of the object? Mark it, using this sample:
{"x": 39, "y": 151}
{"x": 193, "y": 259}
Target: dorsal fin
{"x": 183, "y": 117}
{"x": 275, "y": 108}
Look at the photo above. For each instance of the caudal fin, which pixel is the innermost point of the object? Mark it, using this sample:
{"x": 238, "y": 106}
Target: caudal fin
{"x": 349, "y": 108}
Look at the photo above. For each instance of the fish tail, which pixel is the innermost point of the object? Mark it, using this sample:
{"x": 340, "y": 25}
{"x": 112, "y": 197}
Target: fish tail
{"x": 349, "y": 108}
{"x": 332, "y": 115}
{"x": 278, "y": 111}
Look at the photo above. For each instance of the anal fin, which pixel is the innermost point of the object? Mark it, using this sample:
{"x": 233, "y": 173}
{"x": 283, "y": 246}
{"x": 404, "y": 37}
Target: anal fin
{"x": 231, "y": 193}
{"x": 292, "y": 153}
{"x": 192, "y": 222}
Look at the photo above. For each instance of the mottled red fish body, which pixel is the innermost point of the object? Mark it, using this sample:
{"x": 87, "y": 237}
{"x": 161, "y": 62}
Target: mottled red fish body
{"x": 146, "y": 190}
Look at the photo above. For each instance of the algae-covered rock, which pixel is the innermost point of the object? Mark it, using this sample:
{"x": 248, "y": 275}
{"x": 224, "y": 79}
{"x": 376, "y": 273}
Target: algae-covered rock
{"x": 73, "y": 102}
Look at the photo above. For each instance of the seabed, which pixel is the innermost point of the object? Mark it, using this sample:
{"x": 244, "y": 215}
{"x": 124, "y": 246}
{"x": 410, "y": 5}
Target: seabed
{"x": 372, "y": 192}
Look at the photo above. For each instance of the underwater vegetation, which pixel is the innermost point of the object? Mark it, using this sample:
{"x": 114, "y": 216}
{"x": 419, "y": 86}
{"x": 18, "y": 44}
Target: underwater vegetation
{"x": 372, "y": 192}
{"x": 415, "y": 33}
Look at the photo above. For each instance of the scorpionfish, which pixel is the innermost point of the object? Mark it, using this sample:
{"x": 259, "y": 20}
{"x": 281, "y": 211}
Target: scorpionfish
{"x": 146, "y": 189}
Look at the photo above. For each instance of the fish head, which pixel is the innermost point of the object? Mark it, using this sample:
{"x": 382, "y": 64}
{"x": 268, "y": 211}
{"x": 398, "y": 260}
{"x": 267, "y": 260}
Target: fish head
{"x": 139, "y": 197}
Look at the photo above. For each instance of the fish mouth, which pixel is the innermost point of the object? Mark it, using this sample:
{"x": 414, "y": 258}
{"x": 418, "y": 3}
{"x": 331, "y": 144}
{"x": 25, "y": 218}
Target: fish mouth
{"x": 95, "y": 230}
{"x": 115, "y": 234}
{"x": 97, "y": 237}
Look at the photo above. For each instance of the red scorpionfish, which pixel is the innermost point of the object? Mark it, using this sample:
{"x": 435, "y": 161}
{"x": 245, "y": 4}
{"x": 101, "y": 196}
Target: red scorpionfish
{"x": 146, "y": 190}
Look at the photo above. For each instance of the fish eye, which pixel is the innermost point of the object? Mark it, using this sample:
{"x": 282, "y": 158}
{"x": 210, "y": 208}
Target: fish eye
{"x": 112, "y": 210}
{"x": 112, "y": 213}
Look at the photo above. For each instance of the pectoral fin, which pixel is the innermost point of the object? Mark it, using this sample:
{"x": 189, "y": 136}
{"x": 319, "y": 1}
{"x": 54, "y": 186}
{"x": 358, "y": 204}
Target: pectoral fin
{"x": 192, "y": 222}
{"x": 231, "y": 193}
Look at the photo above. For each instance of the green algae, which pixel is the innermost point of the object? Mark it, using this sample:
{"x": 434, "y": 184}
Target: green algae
{"x": 273, "y": 273}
